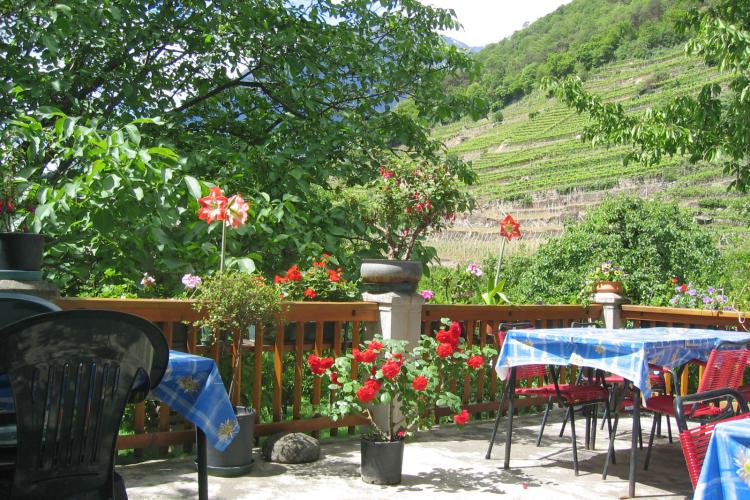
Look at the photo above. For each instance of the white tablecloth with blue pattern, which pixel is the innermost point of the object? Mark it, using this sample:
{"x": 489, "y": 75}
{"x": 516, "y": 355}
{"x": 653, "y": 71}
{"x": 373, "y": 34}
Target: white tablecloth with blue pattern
{"x": 726, "y": 468}
{"x": 624, "y": 352}
{"x": 192, "y": 386}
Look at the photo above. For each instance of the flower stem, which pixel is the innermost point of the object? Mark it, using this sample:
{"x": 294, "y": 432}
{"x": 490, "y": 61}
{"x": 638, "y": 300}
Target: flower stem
{"x": 499, "y": 261}
{"x": 223, "y": 246}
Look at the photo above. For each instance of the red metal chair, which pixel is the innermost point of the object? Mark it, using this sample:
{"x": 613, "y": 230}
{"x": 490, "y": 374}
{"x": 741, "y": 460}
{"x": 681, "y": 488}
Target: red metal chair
{"x": 723, "y": 370}
{"x": 730, "y": 405}
{"x": 570, "y": 396}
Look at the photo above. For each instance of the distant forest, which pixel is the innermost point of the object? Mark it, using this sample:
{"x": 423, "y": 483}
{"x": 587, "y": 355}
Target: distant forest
{"x": 581, "y": 35}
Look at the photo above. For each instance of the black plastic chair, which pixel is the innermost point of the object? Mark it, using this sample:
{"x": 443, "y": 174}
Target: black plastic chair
{"x": 72, "y": 373}
{"x": 17, "y": 306}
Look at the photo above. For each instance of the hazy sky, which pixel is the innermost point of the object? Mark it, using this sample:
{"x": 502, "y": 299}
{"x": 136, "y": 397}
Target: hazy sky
{"x": 487, "y": 21}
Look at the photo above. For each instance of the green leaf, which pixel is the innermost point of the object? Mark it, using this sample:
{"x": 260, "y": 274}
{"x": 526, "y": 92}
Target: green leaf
{"x": 138, "y": 193}
{"x": 133, "y": 133}
{"x": 193, "y": 186}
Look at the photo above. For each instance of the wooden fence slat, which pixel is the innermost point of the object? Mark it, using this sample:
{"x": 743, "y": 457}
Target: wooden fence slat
{"x": 298, "y": 372}
{"x": 278, "y": 371}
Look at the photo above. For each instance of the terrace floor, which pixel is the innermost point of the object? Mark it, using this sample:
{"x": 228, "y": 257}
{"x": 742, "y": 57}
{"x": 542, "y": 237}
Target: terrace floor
{"x": 441, "y": 463}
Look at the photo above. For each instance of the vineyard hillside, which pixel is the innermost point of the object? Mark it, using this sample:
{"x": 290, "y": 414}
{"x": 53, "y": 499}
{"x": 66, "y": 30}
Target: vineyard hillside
{"x": 535, "y": 166}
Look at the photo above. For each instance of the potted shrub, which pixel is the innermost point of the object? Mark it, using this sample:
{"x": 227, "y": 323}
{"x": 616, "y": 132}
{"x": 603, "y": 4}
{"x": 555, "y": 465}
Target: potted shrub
{"x": 20, "y": 249}
{"x": 406, "y": 202}
{"x": 231, "y": 302}
{"x": 405, "y": 385}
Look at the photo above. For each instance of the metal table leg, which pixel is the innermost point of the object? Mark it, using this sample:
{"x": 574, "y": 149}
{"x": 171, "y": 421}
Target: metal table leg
{"x": 511, "y": 390}
{"x": 202, "y": 469}
{"x": 634, "y": 440}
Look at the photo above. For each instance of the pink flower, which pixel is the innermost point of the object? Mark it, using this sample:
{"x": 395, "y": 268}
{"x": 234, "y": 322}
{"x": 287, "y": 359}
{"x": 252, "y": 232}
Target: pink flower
{"x": 236, "y": 211}
{"x": 191, "y": 281}
{"x": 474, "y": 269}
{"x": 427, "y": 294}
{"x": 148, "y": 280}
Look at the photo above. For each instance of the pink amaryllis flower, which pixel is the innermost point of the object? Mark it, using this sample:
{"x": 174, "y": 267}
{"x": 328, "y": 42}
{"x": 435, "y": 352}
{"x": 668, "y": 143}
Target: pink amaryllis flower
{"x": 236, "y": 211}
{"x": 213, "y": 206}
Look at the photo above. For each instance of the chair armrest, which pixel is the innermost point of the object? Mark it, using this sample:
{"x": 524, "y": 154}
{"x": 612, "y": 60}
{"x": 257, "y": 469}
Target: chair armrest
{"x": 734, "y": 404}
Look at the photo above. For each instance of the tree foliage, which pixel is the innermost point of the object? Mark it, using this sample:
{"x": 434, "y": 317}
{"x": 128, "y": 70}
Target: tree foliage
{"x": 652, "y": 241}
{"x": 712, "y": 125}
{"x": 286, "y": 102}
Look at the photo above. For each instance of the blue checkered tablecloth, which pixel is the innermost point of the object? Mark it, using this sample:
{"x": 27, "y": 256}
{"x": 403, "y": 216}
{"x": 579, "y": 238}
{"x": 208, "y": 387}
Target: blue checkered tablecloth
{"x": 192, "y": 386}
{"x": 624, "y": 352}
{"x": 726, "y": 468}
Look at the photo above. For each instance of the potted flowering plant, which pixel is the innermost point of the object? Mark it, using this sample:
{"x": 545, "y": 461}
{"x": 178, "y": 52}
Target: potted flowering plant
{"x": 20, "y": 249}
{"x": 405, "y": 386}
{"x": 321, "y": 281}
{"x": 406, "y": 202}
{"x": 607, "y": 277}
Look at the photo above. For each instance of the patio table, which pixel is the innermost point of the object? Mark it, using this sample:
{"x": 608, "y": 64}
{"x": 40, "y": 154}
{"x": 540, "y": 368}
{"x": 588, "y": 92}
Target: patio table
{"x": 726, "y": 467}
{"x": 624, "y": 352}
{"x": 192, "y": 387}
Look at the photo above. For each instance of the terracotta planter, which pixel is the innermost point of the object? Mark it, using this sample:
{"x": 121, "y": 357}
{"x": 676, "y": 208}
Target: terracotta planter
{"x": 21, "y": 251}
{"x": 382, "y": 461}
{"x": 391, "y": 275}
{"x": 608, "y": 287}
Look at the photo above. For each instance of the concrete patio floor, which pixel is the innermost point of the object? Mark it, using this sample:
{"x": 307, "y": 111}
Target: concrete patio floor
{"x": 441, "y": 463}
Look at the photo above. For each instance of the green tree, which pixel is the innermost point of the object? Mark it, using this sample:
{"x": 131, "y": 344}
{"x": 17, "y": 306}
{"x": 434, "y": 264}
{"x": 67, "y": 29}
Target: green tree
{"x": 653, "y": 241}
{"x": 286, "y": 102}
{"x": 714, "y": 125}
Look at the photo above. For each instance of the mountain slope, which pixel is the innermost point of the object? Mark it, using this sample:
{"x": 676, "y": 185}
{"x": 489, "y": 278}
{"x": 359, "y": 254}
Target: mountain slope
{"x": 534, "y": 165}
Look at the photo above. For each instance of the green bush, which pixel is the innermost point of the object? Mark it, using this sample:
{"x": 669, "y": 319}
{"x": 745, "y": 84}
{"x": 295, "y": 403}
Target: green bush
{"x": 653, "y": 241}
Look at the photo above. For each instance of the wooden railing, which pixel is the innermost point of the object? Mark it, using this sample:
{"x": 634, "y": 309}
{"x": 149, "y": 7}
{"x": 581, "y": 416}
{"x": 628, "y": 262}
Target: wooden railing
{"x": 646, "y": 316}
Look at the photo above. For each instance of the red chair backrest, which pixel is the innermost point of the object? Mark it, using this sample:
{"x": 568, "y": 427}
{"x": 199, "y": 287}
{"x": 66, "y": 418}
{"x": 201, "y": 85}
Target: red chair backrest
{"x": 724, "y": 369}
{"x": 694, "y": 444}
{"x": 525, "y": 371}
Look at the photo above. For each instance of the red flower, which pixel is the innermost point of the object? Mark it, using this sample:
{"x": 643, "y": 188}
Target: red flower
{"x": 333, "y": 276}
{"x": 310, "y": 293}
{"x": 293, "y": 274}
{"x": 373, "y": 383}
{"x": 374, "y": 345}
{"x": 398, "y": 357}
{"x": 319, "y": 365}
{"x": 475, "y": 362}
{"x": 683, "y": 288}
{"x": 420, "y": 383}
{"x": 279, "y": 279}
{"x": 366, "y": 393}
{"x": 451, "y": 336}
{"x": 462, "y": 417}
{"x": 212, "y": 207}
{"x": 510, "y": 228}
{"x": 335, "y": 378}
{"x": 401, "y": 434}
{"x": 445, "y": 350}
{"x": 675, "y": 281}
{"x": 366, "y": 356}
{"x": 391, "y": 369}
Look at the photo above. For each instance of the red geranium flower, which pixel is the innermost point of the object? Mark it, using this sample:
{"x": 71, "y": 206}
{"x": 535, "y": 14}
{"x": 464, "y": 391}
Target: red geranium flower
{"x": 366, "y": 393}
{"x": 374, "y": 345}
{"x": 335, "y": 378}
{"x": 398, "y": 357}
{"x": 675, "y": 281}
{"x": 510, "y": 228}
{"x": 420, "y": 382}
{"x": 213, "y": 206}
{"x": 319, "y": 365}
{"x": 293, "y": 274}
{"x": 391, "y": 369}
{"x": 683, "y": 288}
{"x": 373, "y": 383}
{"x": 475, "y": 362}
{"x": 279, "y": 279}
{"x": 445, "y": 350}
{"x": 333, "y": 275}
{"x": 366, "y": 356}
{"x": 462, "y": 417}
{"x": 310, "y": 293}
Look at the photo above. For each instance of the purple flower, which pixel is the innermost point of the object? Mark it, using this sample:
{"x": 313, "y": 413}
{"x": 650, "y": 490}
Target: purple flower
{"x": 474, "y": 269}
{"x": 427, "y": 294}
{"x": 692, "y": 292}
{"x": 673, "y": 301}
{"x": 191, "y": 281}
{"x": 706, "y": 300}
{"x": 678, "y": 288}
{"x": 711, "y": 290}
{"x": 728, "y": 308}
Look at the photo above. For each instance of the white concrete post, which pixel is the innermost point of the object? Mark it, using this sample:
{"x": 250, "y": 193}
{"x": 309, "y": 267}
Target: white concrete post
{"x": 611, "y": 312}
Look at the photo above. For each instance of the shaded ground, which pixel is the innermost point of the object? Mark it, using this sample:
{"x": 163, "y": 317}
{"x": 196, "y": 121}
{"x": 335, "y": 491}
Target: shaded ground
{"x": 442, "y": 463}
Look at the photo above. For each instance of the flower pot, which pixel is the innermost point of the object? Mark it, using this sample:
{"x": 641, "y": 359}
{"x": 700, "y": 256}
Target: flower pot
{"x": 608, "y": 287}
{"x": 382, "y": 461}
{"x": 21, "y": 251}
{"x": 237, "y": 458}
{"x": 383, "y": 275}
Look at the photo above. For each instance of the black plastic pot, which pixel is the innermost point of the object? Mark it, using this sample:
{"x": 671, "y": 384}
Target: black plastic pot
{"x": 382, "y": 461}
{"x": 21, "y": 251}
{"x": 237, "y": 458}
